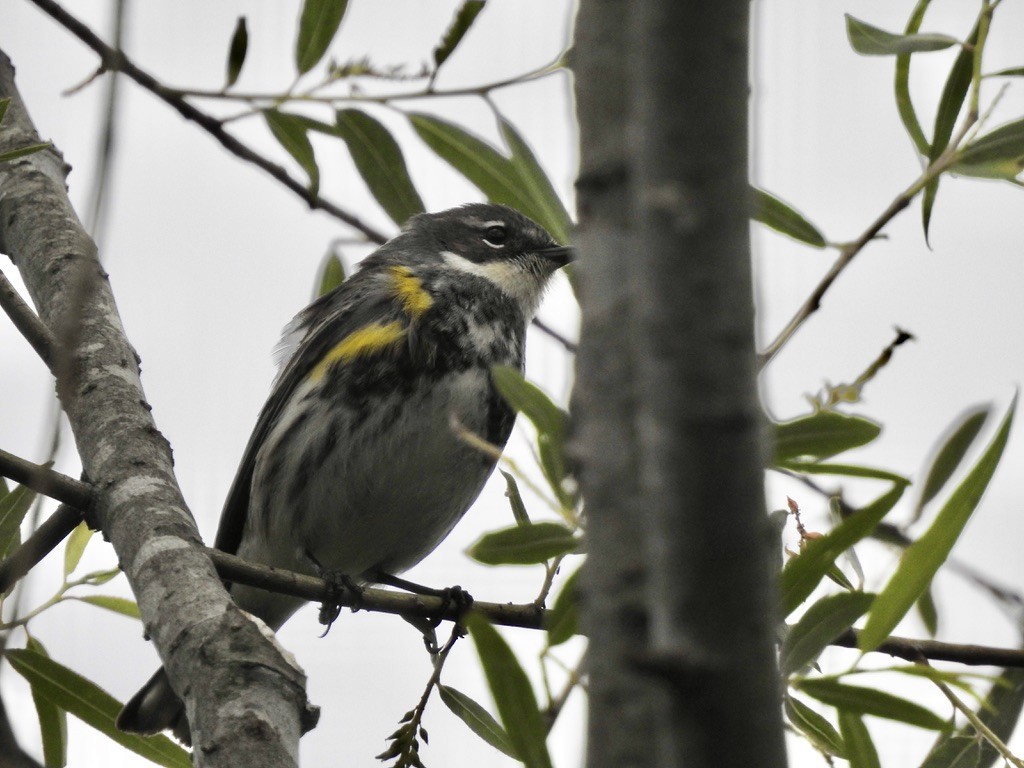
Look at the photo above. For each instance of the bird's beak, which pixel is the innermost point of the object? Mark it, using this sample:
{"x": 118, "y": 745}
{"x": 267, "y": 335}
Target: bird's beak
{"x": 559, "y": 254}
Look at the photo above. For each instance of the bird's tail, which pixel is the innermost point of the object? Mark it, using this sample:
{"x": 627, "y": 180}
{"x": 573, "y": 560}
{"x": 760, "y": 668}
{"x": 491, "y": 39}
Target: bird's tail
{"x": 155, "y": 708}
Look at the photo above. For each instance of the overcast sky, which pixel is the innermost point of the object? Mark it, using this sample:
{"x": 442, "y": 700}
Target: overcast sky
{"x": 209, "y": 259}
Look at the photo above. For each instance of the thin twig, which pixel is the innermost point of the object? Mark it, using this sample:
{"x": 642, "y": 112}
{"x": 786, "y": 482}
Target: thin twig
{"x": 44, "y": 539}
{"x": 913, "y": 650}
{"x": 570, "y": 346}
{"x": 979, "y": 725}
{"x": 27, "y": 322}
{"x": 114, "y": 60}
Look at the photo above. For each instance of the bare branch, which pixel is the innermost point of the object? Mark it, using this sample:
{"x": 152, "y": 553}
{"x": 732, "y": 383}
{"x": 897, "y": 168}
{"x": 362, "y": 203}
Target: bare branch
{"x": 116, "y": 61}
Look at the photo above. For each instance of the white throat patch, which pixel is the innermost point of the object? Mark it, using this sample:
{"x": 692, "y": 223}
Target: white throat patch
{"x": 522, "y": 285}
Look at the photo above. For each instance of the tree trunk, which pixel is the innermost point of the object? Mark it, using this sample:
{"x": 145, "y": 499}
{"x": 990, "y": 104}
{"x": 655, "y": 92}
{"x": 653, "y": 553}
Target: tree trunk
{"x": 668, "y": 325}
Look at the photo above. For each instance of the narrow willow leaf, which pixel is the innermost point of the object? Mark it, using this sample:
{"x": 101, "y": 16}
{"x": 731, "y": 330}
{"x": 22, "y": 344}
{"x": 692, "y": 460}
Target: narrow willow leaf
{"x": 332, "y": 274}
{"x": 1010, "y": 72}
{"x": 546, "y": 206}
{"x": 4, "y": 103}
{"x": 460, "y": 25}
{"x": 290, "y": 132}
{"x": 1000, "y": 712}
{"x": 860, "y": 749}
{"x": 822, "y": 623}
{"x": 928, "y": 612}
{"x": 904, "y": 104}
{"x": 14, "y": 505}
{"x": 842, "y": 470}
{"x": 483, "y": 165}
{"x": 120, "y": 605}
{"x": 318, "y": 24}
{"x": 85, "y": 700}
{"x": 819, "y": 731}
{"x": 868, "y": 701}
{"x": 958, "y": 440}
{"x": 872, "y": 41}
{"x": 75, "y": 547}
{"x": 996, "y": 155}
{"x": 380, "y": 162}
{"x": 923, "y": 558}
{"x": 236, "y": 52}
{"x": 515, "y": 499}
{"x": 524, "y": 544}
{"x": 53, "y": 721}
{"x": 562, "y": 621}
{"x": 780, "y": 216}
{"x": 478, "y": 719}
{"x": 954, "y": 92}
{"x": 803, "y": 573}
{"x": 512, "y": 692}
{"x": 821, "y": 435}
{"x": 31, "y": 149}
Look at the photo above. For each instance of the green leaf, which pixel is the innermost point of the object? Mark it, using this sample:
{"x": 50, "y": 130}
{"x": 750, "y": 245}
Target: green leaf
{"x": 290, "y": 132}
{"x": 120, "y": 605}
{"x": 923, "y": 558}
{"x": 821, "y": 435}
{"x": 513, "y": 695}
{"x": 816, "y": 728}
{"x": 928, "y": 611}
{"x": 860, "y": 749}
{"x": 236, "y": 52}
{"x": 996, "y": 155}
{"x": 524, "y": 544}
{"x": 803, "y": 573}
{"x": 529, "y": 400}
{"x": 53, "y": 721}
{"x": 872, "y": 41}
{"x": 822, "y": 623}
{"x": 478, "y": 719}
{"x": 780, "y": 216}
{"x": 868, "y": 701}
{"x": 484, "y": 166}
{"x": 1000, "y": 712}
{"x": 545, "y": 207}
{"x": 904, "y": 104}
{"x": 31, "y": 149}
{"x": 85, "y": 700}
{"x": 842, "y": 470}
{"x": 953, "y": 94}
{"x": 949, "y": 456}
{"x": 550, "y": 421}
{"x": 380, "y": 162}
{"x": 318, "y": 24}
{"x": 562, "y": 621}
{"x": 460, "y": 25}
{"x": 515, "y": 499}
{"x": 14, "y": 505}
{"x": 332, "y": 274}
{"x": 75, "y": 547}
{"x": 1010, "y": 72}
{"x": 4, "y": 103}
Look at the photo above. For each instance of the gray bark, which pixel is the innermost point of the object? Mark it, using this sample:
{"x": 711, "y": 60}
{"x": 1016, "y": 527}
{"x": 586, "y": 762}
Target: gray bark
{"x": 244, "y": 698}
{"x": 622, "y": 700}
{"x": 669, "y": 425}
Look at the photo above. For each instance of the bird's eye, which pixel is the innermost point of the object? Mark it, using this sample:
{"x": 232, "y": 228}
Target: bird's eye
{"x": 495, "y": 236}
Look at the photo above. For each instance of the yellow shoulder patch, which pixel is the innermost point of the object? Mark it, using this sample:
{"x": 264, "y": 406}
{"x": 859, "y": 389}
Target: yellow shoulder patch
{"x": 367, "y": 340}
{"x": 409, "y": 290}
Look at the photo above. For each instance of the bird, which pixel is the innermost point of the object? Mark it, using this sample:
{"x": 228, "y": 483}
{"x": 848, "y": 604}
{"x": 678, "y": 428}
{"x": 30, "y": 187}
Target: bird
{"x": 358, "y": 466}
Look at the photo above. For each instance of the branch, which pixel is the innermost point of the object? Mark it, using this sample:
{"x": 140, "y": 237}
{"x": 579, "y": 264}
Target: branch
{"x": 314, "y": 589}
{"x": 933, "y": 650}
{"x": 206, "y": 644}
{"x": 116, "y": 61}
{"x": 849, "y": 251}
{"x": 25, "y": 320}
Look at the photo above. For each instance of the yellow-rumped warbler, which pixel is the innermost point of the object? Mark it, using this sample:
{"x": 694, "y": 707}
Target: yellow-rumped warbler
{"x": 355, "y": 466}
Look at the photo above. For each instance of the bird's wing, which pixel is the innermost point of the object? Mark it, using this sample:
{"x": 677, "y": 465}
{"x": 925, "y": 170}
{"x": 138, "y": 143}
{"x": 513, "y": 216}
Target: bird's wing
{"x": 344, "y": 310}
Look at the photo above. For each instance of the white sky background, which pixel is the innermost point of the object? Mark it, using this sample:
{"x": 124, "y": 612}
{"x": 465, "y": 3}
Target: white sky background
{"x": 209, "y": 259}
